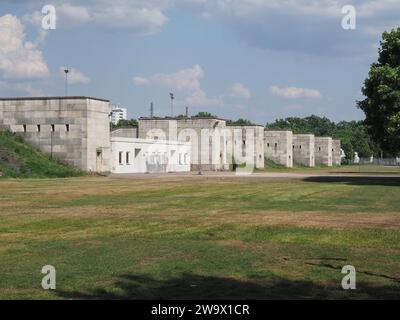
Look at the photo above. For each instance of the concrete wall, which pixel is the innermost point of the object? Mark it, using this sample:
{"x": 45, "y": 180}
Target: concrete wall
{"x": 323, "y": 151}
{"x": 247, "y": 144}
{"x": 125, "y": 133}
{"x": 72, "y": 129}
{"x": 304, "y": 149}
{"x": 132, "y": 155}
{"x": 336, "y": 152}
{"x": 206, "y": 135}
{"x": 279, "y": 147}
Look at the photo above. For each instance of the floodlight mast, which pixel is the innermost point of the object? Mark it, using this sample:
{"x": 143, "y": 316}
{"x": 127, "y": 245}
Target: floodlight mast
{"x": 172, "y": 96}
{"x": 66, "y": 71}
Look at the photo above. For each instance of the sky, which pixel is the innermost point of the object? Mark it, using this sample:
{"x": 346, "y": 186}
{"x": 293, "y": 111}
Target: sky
{"x": 254, "y": 59}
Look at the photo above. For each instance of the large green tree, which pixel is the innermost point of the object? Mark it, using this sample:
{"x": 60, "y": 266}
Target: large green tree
{"x": 382, "y": 91}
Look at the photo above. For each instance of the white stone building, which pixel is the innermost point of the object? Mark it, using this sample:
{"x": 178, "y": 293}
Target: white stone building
{"x": 279, "y": 147}
{"x": 336, "y": 152}
{"x": 206, "y": 135}
{"x": 117, "y": 114}
{"x": 131, "y": 155}
{"x": 247, "y": 145}
{"x": 323, "y": 151}
{"x": 304, "y": 149}
{"x": 72, "y": 129}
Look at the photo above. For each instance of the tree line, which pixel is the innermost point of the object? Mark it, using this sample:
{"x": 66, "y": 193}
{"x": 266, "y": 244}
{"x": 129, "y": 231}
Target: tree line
{"x": 353, "y": 134}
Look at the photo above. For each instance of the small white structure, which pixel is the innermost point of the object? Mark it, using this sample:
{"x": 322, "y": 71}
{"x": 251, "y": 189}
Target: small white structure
{"x": 117, "y": 114}
{"x": 130, "y": 155}
{"x": 356, "y": 158}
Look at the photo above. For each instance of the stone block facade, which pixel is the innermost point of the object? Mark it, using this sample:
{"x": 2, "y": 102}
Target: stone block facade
{"x": 323, "y": 151}
{"x": 279, "y": 147}
{"x": 247, "y": 145}
{"x": 336, "y": 153}
{"x": 304, "y": 149}
{"x": 206, "y": 135}
{"x": 72, "y": 129}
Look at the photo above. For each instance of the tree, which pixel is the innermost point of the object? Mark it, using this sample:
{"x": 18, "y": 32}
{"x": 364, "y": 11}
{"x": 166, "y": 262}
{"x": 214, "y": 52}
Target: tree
{"x": 132, "y": 123}
{"x": 382, "y": 91}
{"x": 240, "y": 122}
{"x": 205, "y": 115}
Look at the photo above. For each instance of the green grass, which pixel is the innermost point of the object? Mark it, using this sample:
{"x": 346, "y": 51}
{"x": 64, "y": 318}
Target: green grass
{"x": 271, "y": 166}
{"x": 19, "y": 160}
{"x": 196, "y": 237}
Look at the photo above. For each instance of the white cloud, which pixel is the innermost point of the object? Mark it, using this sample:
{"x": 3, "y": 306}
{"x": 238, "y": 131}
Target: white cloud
{"x": 141, "y": 17}
{"x": 19, "y": 58}
{"x": 74, "y": 76}
{"x": 140, "y": 81}
{"x": 10, "y": 88}
{"x": 295, "y": 93}
{"x": 239, "y": 90}
{"x": 185, "y": 81}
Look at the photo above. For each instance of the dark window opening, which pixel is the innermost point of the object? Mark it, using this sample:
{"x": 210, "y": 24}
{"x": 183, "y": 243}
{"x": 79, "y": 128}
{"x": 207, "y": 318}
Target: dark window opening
{"x": 67, "y": 127}
{"x": 120, "y": 158}
{"x": 38, "y": 127}
{"x": 127, "y": 157}
{"x": 53, "y": 128}
{"x": 24, "y": 128}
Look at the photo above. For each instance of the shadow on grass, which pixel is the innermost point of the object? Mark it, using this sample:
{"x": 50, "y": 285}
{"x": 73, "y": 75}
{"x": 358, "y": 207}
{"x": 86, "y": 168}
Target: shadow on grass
{"x": 193, "y": 287}
{"x": 364, "y": 180}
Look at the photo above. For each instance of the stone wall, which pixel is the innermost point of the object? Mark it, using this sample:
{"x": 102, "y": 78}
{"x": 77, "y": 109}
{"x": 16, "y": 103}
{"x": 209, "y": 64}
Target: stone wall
{"x": 336, "y": 152}
{"x": 206, "y": 135}
{"x": 323, "y": 151}
{"x": 125, "y": 133}
{"x": 304, "y": 149}
{"x": 249, "y": 141}
{"x": 72, "y": 129}
{"x": 279, "y": 147}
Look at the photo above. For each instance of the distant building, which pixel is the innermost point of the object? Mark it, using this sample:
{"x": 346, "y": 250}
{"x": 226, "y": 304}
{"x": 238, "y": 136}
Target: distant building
{"x": 72, "y": 129}
{"x": 323, "y": 151}
{"x": 117, "y": 114}
{"x": 304, "y": 150}
{"x": 279, "y": 147}
{"x": 132, "y": 155}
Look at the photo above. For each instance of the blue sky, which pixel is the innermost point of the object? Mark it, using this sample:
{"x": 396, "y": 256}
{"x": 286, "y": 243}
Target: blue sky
{"x": 256, "y": 59}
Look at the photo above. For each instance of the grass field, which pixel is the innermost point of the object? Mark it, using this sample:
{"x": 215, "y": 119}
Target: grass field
{"x": 20, "y": 160}
{"x": 199, "y": 237}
